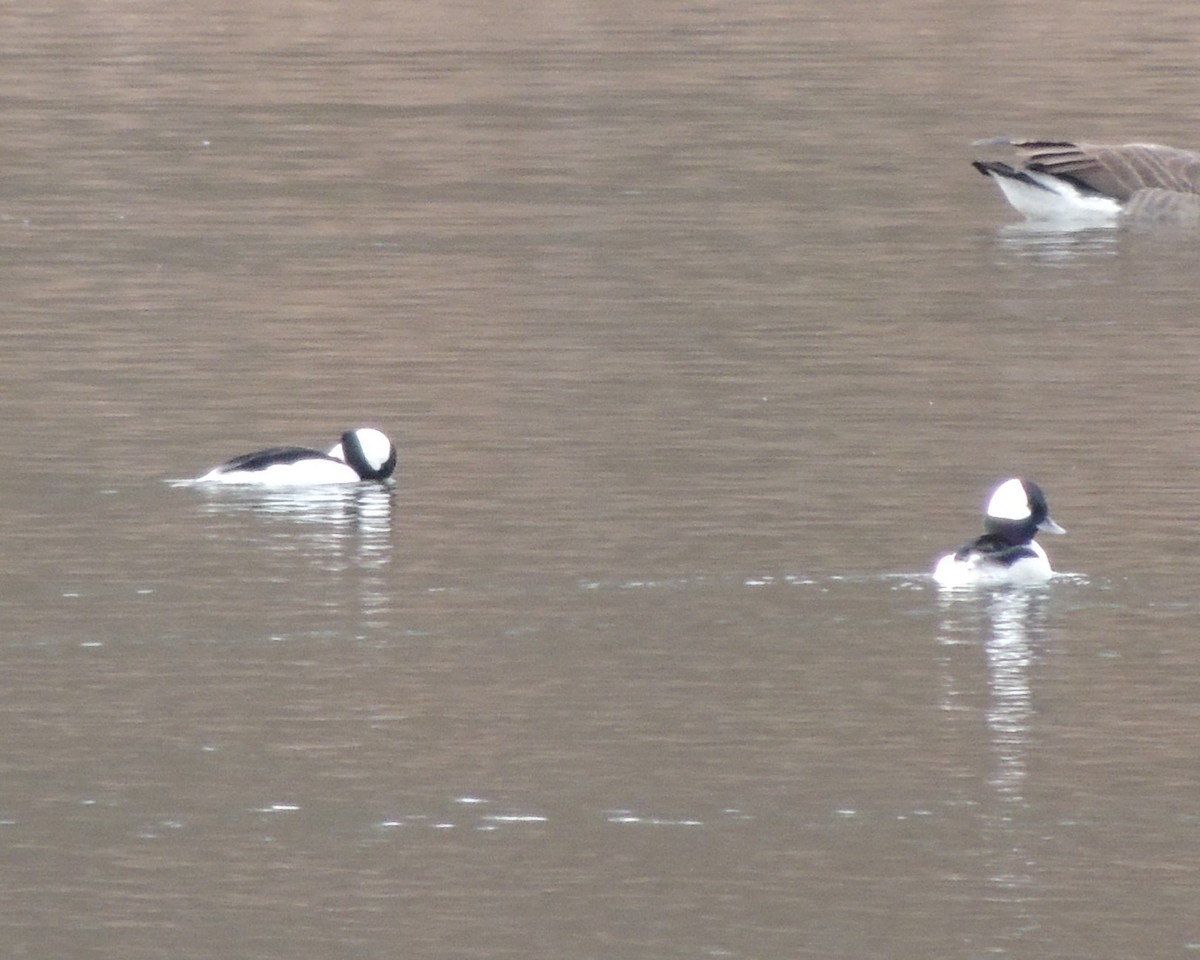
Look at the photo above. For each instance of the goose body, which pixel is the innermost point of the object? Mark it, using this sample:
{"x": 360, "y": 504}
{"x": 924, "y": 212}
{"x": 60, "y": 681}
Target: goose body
{"x": 1093, "y": 185}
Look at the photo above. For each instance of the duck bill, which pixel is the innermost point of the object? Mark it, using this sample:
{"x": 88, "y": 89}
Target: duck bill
{"x": 1049, "y": 526}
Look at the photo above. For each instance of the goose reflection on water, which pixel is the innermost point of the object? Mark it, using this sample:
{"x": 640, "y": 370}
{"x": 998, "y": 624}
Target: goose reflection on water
{"x": 1051, "y": 246}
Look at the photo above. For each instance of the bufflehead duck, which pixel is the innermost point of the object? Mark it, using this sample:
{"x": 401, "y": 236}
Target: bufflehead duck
{"x": 362, "y": 454}
{"x": 1007, "y": 552}
{"x": 1086, "y": 184}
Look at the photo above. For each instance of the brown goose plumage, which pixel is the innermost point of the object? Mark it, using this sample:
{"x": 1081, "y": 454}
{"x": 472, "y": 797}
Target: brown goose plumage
{"x": 1145, "y": 180}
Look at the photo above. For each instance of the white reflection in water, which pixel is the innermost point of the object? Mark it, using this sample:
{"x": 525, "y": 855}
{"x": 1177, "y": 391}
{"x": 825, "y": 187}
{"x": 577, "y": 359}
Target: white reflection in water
{"x": 628, "y": 817}
{"x": 1051, "y": 244}
{"x": 1009, "y": 657}
{"x": 1011, "y": 624}
{"x": 356, "y": 519}
{"x": 343, "y": 529}
{"x": 461, "y": 813}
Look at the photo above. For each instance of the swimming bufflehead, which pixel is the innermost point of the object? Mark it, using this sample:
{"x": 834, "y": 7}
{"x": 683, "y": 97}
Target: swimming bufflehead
{"x": 1007, "y": 552}
{"x": 362, "y": 454}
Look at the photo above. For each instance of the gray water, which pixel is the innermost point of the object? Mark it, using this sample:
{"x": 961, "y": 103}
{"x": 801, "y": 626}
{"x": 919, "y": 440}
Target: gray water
{"x": 700, "y": 341}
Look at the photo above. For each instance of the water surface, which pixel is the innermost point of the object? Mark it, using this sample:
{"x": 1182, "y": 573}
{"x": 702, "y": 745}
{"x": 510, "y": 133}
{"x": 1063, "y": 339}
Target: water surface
{"x": 700, "y": 340}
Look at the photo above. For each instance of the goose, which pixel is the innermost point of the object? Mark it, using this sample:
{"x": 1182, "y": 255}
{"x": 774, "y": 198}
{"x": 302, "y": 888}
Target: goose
{"x": 1093, "y": 185}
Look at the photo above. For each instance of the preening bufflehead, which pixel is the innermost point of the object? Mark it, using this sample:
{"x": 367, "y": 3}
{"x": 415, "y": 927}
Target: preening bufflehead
{"x": 362, "y": 454}
{"x": 1007, "y": 553}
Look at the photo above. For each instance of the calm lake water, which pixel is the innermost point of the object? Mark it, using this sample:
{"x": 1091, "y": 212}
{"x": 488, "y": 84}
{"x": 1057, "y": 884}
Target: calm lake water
{"x": 700, "y": 340}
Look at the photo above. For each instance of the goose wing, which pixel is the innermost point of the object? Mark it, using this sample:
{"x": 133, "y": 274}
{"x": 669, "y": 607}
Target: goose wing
{"x": 1119, "y": 172}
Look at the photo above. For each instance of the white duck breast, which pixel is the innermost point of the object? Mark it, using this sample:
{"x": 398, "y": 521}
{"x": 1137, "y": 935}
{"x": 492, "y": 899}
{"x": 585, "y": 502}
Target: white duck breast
{"x": 363, "y": 454}
{"x": 982, "y": 568}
